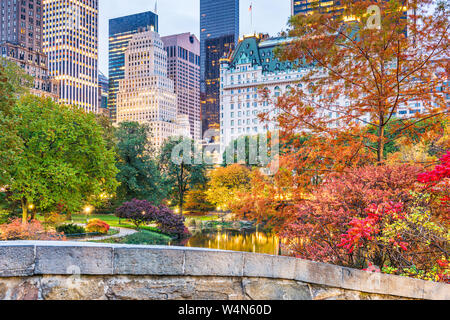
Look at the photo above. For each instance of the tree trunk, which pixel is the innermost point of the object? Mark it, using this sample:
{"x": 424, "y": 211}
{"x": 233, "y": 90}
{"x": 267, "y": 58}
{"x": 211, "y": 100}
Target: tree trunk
{"x": 380, "y": 147}
{"x": 24, "y": 211}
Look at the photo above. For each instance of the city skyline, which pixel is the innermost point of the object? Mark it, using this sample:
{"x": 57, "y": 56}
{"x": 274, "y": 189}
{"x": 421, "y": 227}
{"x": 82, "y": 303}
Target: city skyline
{"x": 188, "y": 18}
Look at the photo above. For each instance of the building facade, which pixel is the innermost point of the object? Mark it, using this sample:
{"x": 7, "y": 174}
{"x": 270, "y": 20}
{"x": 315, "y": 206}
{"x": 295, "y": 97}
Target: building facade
{"x": 309, "y": 6}
{"x": 251, "y": 66}
{"x": 121, "y": 30}
{"x": 147, "y": 94}
{"x": 103, "y": 91}
{"x": 219, "y": 32}
{"x": 71, "y": 43}
{"x": 21, "y": 41}
{"x": 183, "y": 52}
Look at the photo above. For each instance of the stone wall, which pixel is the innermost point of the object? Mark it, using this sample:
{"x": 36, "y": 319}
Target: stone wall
{"x": 72, "y": 271}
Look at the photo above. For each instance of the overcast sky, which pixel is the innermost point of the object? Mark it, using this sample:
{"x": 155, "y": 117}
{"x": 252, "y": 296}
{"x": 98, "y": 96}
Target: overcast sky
{"x": 178, "y": 16}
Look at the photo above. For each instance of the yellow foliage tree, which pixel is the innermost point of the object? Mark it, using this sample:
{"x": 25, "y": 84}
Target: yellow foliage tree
{"x": 226, "y": 183}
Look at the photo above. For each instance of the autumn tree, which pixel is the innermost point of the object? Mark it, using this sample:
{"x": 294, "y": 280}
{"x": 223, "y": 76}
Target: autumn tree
{"x": 313, "y": 227}
{"x": 360, "y": 75}
{"x": 226, "y": 183}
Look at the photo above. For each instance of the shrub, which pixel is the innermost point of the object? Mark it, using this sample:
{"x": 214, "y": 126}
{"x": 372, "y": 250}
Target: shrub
{"x": 97, "y": 226}
{"x": 70, "y": 229}
{"x": 4, "y": 216}
{"x": 313, "y": 227}
{"x": 32, "y": 230}
{"x": 143, "y": 212}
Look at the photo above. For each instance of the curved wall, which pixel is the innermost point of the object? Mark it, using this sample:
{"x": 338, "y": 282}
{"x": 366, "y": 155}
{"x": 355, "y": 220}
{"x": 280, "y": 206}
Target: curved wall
{"x": 72, "y": 270}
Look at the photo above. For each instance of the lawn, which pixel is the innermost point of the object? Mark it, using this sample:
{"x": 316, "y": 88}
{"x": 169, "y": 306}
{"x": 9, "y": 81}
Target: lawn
{"x": 144, "y": 237}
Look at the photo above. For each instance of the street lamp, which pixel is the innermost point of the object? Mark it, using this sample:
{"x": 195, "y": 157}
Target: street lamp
{"x": 87, "y": 210}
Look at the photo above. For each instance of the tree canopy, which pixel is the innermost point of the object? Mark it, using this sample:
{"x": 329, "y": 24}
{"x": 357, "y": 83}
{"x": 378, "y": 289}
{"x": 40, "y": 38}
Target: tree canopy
{"x": 64, "y": 159}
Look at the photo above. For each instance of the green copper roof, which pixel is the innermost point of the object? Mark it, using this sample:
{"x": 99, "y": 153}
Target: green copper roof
{"x": 260, "y": 53}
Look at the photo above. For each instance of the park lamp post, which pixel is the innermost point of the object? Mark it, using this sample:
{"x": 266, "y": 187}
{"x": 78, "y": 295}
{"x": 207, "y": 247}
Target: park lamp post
{"x": 88, "y": 210}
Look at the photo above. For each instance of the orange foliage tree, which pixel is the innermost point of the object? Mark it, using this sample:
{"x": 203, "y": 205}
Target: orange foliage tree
{"x": 360, "y": 77}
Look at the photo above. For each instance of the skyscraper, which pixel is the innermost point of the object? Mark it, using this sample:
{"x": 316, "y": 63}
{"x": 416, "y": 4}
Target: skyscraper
{"x": 308, "y": 6}
{"x": 121, "y": 30}
{"x": 183, "y": 53}
{"x": 71, "y": 43}
{"x": 219, "y": 32}
{"x": 103, "y": 90}
{"x": 146, "y": 94}
{"x": 21, "y": 42}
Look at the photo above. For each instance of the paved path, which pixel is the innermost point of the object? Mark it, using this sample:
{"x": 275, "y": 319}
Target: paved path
{"x": 123, "y": 232}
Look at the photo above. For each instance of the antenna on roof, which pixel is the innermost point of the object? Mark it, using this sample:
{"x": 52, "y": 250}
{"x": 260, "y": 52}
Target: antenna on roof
{"x": 251, "y": 16}
{"x": 156, "y": 6}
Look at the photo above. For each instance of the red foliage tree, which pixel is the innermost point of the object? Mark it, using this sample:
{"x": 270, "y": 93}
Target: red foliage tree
{"x": 312, "y": 228}
{"x": 437, "y": 182}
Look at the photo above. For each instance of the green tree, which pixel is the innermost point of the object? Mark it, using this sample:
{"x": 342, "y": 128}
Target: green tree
{"x": 109, "y": 131}
{"x": 64, "y": 160}
{"x": 180, "y": 169}
{"x": 9, "y": 141}
{"x": 20, "y": 81}
{"x": 138, "y": 171}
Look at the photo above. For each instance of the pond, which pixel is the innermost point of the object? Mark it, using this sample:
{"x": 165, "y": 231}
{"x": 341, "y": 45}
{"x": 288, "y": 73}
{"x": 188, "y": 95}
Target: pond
{"x": 245, "y": 240}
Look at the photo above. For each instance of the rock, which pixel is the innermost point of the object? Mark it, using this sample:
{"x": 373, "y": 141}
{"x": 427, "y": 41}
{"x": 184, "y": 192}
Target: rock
{"x": 73, "y": 288}
{"x": 149, "y": 288}
{"x": 274, "y": 289}
{"x": 26, "y": 290}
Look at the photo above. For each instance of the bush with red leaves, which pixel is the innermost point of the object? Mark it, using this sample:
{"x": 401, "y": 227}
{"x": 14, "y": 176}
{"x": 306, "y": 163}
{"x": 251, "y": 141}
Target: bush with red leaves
{"x": 142, "y": 212}
{"x": 32, "y": 230}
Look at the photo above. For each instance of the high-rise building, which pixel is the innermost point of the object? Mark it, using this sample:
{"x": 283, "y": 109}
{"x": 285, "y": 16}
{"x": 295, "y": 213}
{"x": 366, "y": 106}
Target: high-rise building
{"x": 219, "y": 32}
{"x": 183, "y": 52}
{"x": 21, "y": 42}
{"x": 146, "y": 93}
{"x": 121, "y": 30}
{"x": 253, "y": 64}
{"x": 103, "y": 90}
{"x": 308, "y": 6}
{"x": 71, "y": 43}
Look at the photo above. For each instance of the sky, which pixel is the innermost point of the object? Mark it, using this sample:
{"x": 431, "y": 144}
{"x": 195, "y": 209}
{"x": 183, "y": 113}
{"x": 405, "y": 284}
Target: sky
{"x": 178, "y": 16}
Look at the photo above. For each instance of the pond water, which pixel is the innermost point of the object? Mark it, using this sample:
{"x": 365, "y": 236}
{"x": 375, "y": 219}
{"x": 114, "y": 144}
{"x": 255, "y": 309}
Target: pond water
{"x": 234, "y": 240}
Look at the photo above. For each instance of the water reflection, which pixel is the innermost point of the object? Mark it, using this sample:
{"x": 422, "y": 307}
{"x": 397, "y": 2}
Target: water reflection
{"x": 234, "y": 240}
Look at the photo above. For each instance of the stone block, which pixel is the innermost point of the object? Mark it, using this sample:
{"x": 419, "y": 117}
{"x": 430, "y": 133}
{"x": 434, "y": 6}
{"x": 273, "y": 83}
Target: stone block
{"x": 16, "y": 261}
{"x": 284, "y": 267}
{"x": 73, "y": 288}
{"x": 137, "y": 261}
{"x": 258, "y": 265}
{"x": 318, "y": 273}
{"x": 436, "y": 291}
{"x": 403, "y": 286}
{"x": 75, "y": 259}
{"x": 149, "y": 288}
{"x": 370, "y": 282}
{"x": 213, "y": 263}
{"x": 272, "y": 289}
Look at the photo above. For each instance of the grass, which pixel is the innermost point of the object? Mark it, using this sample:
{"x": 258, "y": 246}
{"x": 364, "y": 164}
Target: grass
{"x": 143, "y": 237}
{"x": 110, "y": 219}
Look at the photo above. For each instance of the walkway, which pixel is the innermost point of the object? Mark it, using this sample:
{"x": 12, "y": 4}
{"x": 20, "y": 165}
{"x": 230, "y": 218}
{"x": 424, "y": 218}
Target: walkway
{"x": 123, "y": 232}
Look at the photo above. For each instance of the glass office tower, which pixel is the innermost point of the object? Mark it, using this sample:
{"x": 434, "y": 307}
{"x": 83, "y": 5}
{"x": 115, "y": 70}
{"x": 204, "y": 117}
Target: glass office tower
{"x": 121, "y": 30}
{"x": 70, "y": 40}
{"x": 219, "y": 32}
{"x": 309, "y": 6}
